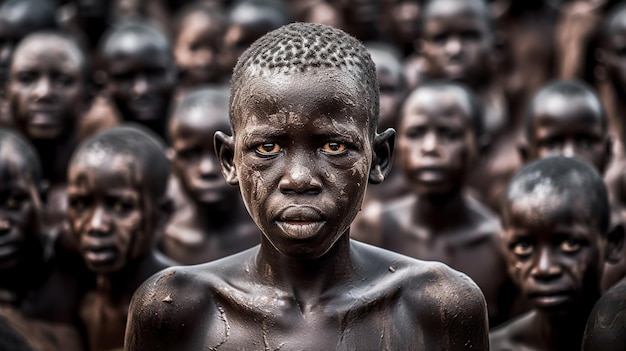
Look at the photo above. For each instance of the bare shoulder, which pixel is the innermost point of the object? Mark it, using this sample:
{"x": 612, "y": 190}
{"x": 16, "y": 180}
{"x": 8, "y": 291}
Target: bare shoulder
{"x": 446, "y": 303}
{"x": 606, "y": 327}
{"x": 167, "y": 310}
{"x": 511, "y": 336}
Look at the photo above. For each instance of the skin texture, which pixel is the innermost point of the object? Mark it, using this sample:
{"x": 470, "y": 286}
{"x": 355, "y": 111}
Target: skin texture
{"x": 115, "y": 221}
{"x": 197, "y": 47}
{"x": 215, "y": 223}
{"x": 302, "y": 153}
{"x": 437, "y": 221}
{"x": 555, "y": 251}
{"x": 40, "y": 309}
{"x": 141, "y": 75}
{"x": 606, "y": 328}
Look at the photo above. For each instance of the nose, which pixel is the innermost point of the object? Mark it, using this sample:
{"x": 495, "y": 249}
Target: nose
{"x": 546, "y": 268}
{"x": 209, "y": 167}
{"x": 42, "y": 88}
{"x": 300, "y": 177}
{"x": 430, "y": 144}
{"x": 453, "y": 46}
{"x": 140, "y": 85}
{"x": 5, "y": 226}
{"x": 99, "y": 224}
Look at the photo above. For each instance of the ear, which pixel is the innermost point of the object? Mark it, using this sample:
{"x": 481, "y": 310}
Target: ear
{"x": 382, "y": 155}
{"x": 524, "y": 151}
{"x": 614, "y": 244}
{"x": 225, "y": 148}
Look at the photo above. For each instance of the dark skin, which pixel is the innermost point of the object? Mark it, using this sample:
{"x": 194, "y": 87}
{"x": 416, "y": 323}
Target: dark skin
{"x": 555, "y": 253}
{"x": 302, "y": 154}
{"x": 216, "y": 223}
{"x": 39, "y": 308}
{"x": 115, "y": 221}
{"x": 197, "y": 47}
{"x": 606, "y": 328}
{"x": 458, "y": 44}
{"x": 140, "y": 79}
{"x": 437, "y": 221}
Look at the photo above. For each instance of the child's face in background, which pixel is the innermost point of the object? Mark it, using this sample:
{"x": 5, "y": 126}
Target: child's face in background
{"x": 197, "y": 48}
{"x": 554, "y": 250}
{"x": 457, "y": 42}
{"x": 571, "y": 127}
{"x": 435, "y": 140}
{"x": 19, "y": 210}
{"x": 108, "y": 211}
{"x": 194, "y": 159}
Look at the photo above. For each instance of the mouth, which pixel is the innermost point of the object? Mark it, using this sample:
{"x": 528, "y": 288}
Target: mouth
{"x": 548, "y": 299}
{"x": 100, "y": 255}
{"x": 300, "y": 222}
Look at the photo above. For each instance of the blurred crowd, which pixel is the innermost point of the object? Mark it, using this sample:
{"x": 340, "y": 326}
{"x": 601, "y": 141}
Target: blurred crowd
{"x": 546, "y": 77}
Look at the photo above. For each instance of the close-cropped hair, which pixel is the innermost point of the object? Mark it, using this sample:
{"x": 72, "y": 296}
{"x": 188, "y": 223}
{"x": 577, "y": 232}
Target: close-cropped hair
{"x": 568, "y": 89}
{"x": 303, "y": 47}
{"x": 576, "y": 182}
{"x": 135, "y": 141}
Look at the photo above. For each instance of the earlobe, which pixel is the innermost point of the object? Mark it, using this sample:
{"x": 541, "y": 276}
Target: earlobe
{"x": 225, "y": 149}
{"x": 382, "y": 155}
{"x": 615, "y": 244}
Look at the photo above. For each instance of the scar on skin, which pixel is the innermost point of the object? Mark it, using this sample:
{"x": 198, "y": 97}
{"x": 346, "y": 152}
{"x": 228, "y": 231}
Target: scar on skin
{"x": 222, "y": 316}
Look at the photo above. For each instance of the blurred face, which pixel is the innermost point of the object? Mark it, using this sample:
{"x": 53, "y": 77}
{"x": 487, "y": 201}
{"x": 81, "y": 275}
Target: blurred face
{"x": 195, "y": 161}
{"x": 197, "y": 47}
{"x": 19, "y": 213}
{"x": 141, "y": 81}
{"x": 435, "y": 140}
{"x": 570, "y": 127}
{"x": 456, "y": 42}
{"x": 554, "y": 251}
{"x": 614, "y": 49}
{"x": 108, "y": 212}
{"x": 302, "y": 157}
{"x": 46, "y": 87}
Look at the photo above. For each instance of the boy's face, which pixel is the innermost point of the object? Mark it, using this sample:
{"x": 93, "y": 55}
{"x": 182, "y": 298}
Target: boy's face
{"x": 108, "y": 212}
{"x": 197, "y": 47}
{"x": 19, "y": 214}
{"x": 456, "y": 42}
{"x": 141, "y": 83}
{"x": 570, "y": 127}
{"x": 553, "y": 254}
{"x": 435, "y": 141}
{"x": 46, "y": 87}
{"x": 302, "y": 154}
{"x": 614, "y": 50}
{"x": 194, "y": 159}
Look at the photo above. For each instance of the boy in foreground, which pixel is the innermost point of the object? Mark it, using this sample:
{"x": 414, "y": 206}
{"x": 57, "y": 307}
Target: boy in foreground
{"x": 303, "y": 109}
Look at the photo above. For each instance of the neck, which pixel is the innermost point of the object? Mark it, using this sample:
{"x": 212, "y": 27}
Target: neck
{"x": 563, "y": 331}
{"x": 306, "y": 279}
{"x": 436, "y": 211}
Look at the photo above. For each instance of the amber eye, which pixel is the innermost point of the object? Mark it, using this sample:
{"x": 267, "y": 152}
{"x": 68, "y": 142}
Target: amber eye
{"x": 522, "y": 248}
{"x": 268, "y": 149}
{"x": 570, "y": 246}
{"x": 333, "y": 148}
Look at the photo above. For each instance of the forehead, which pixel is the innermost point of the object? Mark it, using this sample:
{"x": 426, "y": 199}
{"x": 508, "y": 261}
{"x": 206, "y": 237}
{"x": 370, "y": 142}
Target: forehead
{"x": 439, "y": 102}
{"x": 554, "y": 109}
{"x": 48, "y": 51}
{"x": 329, "y": 93}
